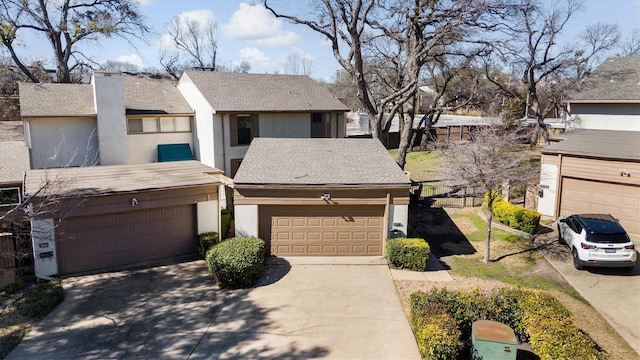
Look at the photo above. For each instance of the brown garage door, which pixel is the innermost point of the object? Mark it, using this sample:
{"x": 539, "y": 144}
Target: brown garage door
{"x": 323, "y": 230}
{"x": 87, "y": 243}
{"x": 585, "y": 196}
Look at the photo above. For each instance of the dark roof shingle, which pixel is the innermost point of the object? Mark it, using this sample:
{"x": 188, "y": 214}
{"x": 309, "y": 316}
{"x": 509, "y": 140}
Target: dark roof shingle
{"x": 612, "y": 144}
{"x": 319, "y": 162}
{"x": 615, "y": 80}
{"x": 263, "y": 92}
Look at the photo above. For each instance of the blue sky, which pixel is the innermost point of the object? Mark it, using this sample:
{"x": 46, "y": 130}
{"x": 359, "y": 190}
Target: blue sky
{"x": 248, "y": 32}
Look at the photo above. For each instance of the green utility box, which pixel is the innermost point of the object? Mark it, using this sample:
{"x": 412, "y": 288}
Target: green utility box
{"x": 491, "y": 340}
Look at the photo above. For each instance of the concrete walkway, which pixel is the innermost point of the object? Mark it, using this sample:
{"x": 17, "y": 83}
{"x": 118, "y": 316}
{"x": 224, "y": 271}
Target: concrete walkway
{"x": 298, "y": 310}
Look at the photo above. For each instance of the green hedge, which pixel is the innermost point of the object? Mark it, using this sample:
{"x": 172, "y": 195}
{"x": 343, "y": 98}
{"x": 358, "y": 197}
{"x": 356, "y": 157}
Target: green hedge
{"x": 515, "y": 216}
{"x": 226, "y": 224}
{"x": 412, "y": 254}
{"x": 236, "y": 262}
{"x": 535, "y": 316}
{"x": 206, "y": 241}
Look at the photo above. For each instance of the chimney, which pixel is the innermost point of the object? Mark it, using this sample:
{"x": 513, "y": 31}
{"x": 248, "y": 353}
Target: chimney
{"x": 108, "y": 94}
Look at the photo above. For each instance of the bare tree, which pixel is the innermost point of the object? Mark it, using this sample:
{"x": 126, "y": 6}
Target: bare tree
{"x": 195, "y": 39}
{"x": 490, "y": 160}
{"x": 298, "y": 64}
{"x": 630, "y": 46}
{"x": 532, "y": 48}
{"x": 118, "y": 66}
{"x": 66, "y": 24}
{"x": 416, "y": 31}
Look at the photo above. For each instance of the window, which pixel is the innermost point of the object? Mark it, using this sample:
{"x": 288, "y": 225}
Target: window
{"x": 244, "y": 127}
{"x": 9, "y": 196}
{"x": 319, "y": 127}
{"x": 159, "y": 124}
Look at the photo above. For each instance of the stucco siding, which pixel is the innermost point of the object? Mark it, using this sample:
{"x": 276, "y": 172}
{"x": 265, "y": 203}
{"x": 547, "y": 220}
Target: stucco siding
{"x": 203, "y": 123}
{"x": 112, "y": 123}
{"x": 62, "y": 142}
{"x": 285, "y": 125}
{"x": 143, "y": 148}
{"x": 604, "y": 116}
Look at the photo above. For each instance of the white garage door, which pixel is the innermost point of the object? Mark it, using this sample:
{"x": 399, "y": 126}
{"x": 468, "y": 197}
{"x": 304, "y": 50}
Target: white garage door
{"x": 323, "y": 230}
{"x": 585, "y": 196}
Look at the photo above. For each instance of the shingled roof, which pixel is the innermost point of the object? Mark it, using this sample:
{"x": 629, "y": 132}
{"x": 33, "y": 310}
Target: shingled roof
{"x": 146, "y": 95}
{"x": 610, "y": 144}
{"x": 320, "y": 162}
{"x": 14, "y": 160}
{"x": 227, "y": 92}
{"x": 142, "y": 95}
{"x": 615, "y": 80}
{"x": 116, "y": 179}
{"x": 45, "y": 99}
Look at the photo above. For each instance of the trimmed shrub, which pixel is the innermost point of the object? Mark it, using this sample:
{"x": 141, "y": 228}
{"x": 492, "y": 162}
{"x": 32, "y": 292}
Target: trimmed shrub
{"x": 412, "y": 254}
{"x": 236, "y": 262}
{"x": 226, "y": 224}
{"x": 515, "y": 216}
{"x": 206, "y": 241}
{"x": 535, "y": 316}
{"x": 437, "y": 333}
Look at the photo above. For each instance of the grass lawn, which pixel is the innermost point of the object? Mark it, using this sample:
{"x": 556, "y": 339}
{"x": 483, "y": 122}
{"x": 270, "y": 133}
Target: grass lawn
{"x": 420, "y": 164}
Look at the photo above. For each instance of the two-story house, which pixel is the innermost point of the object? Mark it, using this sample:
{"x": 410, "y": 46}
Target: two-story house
{"x": 99, "y": 155}
{"x": 233, "y": 108}
{"x": 595, "y": 166}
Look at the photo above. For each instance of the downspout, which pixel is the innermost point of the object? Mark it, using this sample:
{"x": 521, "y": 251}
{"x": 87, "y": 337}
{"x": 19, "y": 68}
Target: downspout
{"x": 387, "y": 209}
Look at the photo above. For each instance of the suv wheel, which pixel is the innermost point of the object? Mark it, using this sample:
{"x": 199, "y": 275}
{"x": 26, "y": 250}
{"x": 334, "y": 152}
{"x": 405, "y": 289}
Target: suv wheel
{"x": 560, "y": 239}
{"x": 576, "y": 260}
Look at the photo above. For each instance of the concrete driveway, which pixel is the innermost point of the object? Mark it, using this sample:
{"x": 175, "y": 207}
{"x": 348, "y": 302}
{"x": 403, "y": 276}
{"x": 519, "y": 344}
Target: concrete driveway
{"x": 300, "y": 310}
{"x": 614, "y": 293}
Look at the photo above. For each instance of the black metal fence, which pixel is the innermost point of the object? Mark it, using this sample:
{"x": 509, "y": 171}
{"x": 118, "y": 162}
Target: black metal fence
{"x": 436, "y": 194}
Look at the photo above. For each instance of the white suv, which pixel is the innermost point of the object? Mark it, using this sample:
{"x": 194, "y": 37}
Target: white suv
{"x": 597, "y": 240}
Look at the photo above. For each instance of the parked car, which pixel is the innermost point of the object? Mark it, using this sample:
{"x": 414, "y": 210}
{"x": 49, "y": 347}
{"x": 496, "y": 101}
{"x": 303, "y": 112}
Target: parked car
{"x": 597, "y": 240}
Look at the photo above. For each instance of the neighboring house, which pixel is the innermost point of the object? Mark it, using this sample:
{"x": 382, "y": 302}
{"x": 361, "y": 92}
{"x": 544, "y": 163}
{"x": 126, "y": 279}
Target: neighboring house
{"x": 116, "y": 119}
{"x": 232, "y": 109}
{"x": 14, "y": 161}
{"x": 608, "y": 99}
{"x": 339, "y": 197}
{"x": 595, "y": 167}
{"x": 118, "y": 216}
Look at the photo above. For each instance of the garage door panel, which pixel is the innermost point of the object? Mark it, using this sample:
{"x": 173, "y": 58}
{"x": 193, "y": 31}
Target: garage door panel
{"x": 586, "y": 196}
{"x": 323, "y": 230}
{"x": 88, "y": 243}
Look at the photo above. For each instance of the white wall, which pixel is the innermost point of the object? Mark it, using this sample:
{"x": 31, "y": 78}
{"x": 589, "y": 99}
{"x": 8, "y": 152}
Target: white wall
{"x": 208, "y": 216}
{"x": 246, "y": 220}
{"x": 549, "y": 187}
{"x": 112, "y": 123}
{"x": 604, "y": 116}
{"x": 62, "y": 142}
{"x": 143, "y": 148}
{"x": 203, "y": 123}
{"x": 398, "y": 219}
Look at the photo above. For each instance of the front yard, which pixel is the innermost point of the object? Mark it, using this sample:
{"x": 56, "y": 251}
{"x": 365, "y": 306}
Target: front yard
{"x": 456, "y": 236}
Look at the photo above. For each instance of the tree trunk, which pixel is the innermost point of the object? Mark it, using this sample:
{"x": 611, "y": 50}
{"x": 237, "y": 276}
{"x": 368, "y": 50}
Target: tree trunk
{"x": 487, "y": 250}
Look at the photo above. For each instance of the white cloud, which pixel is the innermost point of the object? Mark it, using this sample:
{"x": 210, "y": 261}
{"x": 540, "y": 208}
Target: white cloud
{"x": 254, "y": 56}
{"x": 256, "y": 24}
{"x": 134, "y": 59}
